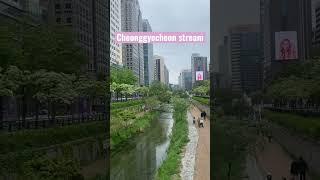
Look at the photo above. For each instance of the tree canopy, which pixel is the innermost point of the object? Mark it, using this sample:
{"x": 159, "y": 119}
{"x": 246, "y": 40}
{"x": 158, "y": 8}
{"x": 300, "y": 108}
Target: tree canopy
{"x": 123, "y": 76}
{"x": 299, "y": 81}
{"x": 34, "y": 48}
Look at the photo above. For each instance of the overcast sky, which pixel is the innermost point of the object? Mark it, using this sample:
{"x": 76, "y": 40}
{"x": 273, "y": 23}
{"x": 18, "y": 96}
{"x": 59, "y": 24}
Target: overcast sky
{"x": 178, "y": 16}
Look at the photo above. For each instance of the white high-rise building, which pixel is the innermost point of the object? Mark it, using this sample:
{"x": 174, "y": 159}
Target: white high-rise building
{"x": 166, "y": 75}
{"x": 115, "y": 26}
{"x": 132, "y": 54}
{"x": 161, "y": 72}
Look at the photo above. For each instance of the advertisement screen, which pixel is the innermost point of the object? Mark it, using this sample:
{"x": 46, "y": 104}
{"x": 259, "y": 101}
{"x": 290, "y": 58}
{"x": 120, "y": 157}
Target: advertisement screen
{"x": 199, "y": 75}
{"x": 286, "y": 45}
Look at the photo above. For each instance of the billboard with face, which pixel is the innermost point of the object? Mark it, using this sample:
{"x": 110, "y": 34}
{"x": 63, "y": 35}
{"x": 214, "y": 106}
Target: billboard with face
{"x": 199, "y": 75}
{"x": 286, "y": 45}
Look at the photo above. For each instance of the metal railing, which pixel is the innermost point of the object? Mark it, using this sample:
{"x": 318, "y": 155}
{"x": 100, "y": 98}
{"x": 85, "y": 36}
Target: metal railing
{"x": 45, "y": 122}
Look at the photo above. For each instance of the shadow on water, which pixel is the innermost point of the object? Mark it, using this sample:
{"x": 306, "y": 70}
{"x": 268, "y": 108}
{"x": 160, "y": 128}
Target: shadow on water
{"x": 141, "y": 156}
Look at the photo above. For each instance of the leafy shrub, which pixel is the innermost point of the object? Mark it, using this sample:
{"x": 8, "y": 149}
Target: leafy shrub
{"x": 202, "y": 100}
{"x": 307, "y": 125}
{"x": 121, "y": 132}
{"x": 51, "y": 169}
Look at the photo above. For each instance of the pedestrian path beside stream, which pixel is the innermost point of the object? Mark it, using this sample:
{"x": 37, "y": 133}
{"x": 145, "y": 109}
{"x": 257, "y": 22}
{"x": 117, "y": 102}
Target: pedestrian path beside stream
{"x": 188, "y": 161}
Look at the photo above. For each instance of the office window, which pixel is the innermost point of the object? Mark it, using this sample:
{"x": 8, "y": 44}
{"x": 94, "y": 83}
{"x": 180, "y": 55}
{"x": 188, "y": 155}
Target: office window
{"x": 57, "y": 6}
{"x": 69, "y": 20}
{"x": 68, "y": 6}
{"x": 58, "y": 20}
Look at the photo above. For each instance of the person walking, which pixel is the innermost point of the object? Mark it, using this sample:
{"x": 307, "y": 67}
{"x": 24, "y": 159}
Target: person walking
{"x": 269, "y": 176}
{"x": 194, "y": 120}
{"x": 204, "y": 115}
{"x": 269, "y": 137}
{"x": 202, "y": 122}
{"x": 294, "y": 170}
{"x": 302, "y": 168}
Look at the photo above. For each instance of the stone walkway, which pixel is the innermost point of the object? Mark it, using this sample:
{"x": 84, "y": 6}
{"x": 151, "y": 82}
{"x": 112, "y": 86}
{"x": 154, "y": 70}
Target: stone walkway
{"x": 276, "y": 161}
{"x": 202, "y": 167}
{"x": 188, "y": 161}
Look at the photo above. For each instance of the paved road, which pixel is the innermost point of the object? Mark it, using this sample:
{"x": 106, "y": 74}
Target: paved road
{"x": 274, "y": 160}
{"x": 96, "y": 168}
{"x": 202, "y": 167}
{"x": 253, "y": 170}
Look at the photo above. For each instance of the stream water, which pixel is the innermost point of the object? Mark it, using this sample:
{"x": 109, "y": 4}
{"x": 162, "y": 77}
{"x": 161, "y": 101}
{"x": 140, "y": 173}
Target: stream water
{"x": 143, "y": 155}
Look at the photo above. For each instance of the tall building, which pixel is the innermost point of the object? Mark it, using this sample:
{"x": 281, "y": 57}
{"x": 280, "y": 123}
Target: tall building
{"x": 148, "y": 56}
{"x": 26, "y": 11}
{"x": 44, "y": 5}
{"x": 132, "y": 54}
{"x": 198, "y": 63}
{"x": 246, "y": 64}
{"x": 291, "y": 18}
{"x": 186, "y": 79}
{"x": 224, "y": 63}
{"x": 32, "y": 7}
{"x": 115, "y": 26}
{"x": 11, "y": 9}
{"x": 180, "y": 81}
{"x": 161, "y": 72}
{"x": 166, "y": 75}
{"x": 89, "y": 22}
{"x": 101, "y": 36}
{"x": 317, "y": 25}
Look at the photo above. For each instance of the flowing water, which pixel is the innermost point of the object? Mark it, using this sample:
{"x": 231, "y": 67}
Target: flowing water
{"x": 140, "y": 158}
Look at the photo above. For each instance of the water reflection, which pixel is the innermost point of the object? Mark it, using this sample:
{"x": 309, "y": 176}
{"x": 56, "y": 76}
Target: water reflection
{"x": 145, "y": 153}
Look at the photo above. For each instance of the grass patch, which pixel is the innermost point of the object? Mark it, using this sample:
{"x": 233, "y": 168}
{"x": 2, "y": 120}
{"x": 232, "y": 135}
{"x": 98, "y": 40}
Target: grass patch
{"x": 179, "y": 138}
{"x": 306, "y": 125}
{"x": 126, "y": 124}
{"x": 231, "y": 139}
{"x": 23, "y": 140}
{"x": 202, "y": 100}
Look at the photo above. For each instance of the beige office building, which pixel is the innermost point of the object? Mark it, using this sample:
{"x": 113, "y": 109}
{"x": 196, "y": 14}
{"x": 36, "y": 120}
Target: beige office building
{"x": 115, "y": 26}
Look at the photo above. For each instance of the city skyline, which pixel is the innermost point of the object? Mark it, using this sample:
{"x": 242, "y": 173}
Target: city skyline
{"x": 178, "y": 19}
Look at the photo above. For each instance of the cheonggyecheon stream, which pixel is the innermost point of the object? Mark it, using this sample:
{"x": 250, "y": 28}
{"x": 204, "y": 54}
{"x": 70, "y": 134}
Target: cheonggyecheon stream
{"x": 143, "y": 155}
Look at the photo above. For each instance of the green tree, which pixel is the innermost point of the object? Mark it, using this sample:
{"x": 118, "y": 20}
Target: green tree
{"x": 128, "y": 90}
{"x": 151, "y": 103}
{"x": 241, "y": 106}
{"x": 123, "y": 76}
{"x": 161, "y": 91}
{"x": 54, "y": 88}
{"x": 34, "y": 48}
{"x": 144, "y": 91}
{"x": 202, "y": 88}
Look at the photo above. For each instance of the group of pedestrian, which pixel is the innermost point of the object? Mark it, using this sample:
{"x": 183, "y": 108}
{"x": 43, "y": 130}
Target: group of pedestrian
{"x": 299, "y": 169}
{"x": 200, "y": 119}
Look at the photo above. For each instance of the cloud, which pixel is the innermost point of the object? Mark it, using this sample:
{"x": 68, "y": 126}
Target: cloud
{"x": 178, "y": 16}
